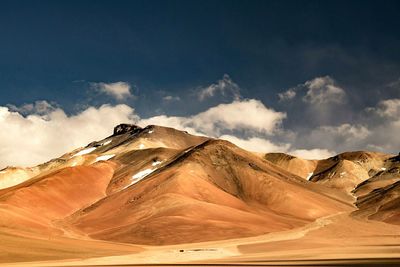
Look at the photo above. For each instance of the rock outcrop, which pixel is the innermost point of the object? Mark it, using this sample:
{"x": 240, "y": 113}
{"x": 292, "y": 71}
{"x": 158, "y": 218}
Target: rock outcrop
{"x": 124, "y": 128}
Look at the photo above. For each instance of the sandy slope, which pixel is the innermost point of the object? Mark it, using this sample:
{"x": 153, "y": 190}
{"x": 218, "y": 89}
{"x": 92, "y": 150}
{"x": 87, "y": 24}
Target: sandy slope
{"x": 327, "y": 240}
{"x": 210, "y": 192}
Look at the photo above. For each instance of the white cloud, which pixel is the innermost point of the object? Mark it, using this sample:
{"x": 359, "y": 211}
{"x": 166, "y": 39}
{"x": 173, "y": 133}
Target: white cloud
{"x": 256, "y": 144}
{"x": 171, "y": 98}
{"x": 287, "y": 95}
{"x": 49, "y": 132}
{"x": 318, "y": 91}
{"x": 180, "y": 123}
{"x": 389, "y": 108}
{"x": 347, "y": 130}
{"x": 41, "y": 107}
{"x": 312, "y": 153}
{"x": 384, "y": 123}
{"x": 36, "y": 138}
{"x": 118, "y": 90}
{"x": 224, "y": 86}
{"x": 343, "y": 137}
{"x": 262, "y": 145}
{"x": 322, "y": 90}
{"x": 247, "y": 114}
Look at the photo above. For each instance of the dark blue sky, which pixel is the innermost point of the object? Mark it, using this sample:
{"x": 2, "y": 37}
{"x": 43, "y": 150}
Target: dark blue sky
{"x": 52, "y": 50}
{"x": 311, "y": 78}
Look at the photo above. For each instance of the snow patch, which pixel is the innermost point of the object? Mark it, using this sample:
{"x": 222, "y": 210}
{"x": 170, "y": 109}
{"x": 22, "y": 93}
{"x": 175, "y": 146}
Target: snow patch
{"x": 104, "y": 157}
{"x": 106, "y": 143}
{"x": 383, "y": 169}
{"x": 142, "y": 174}
{"x": 85, "y": 151}
{"x": 151, "y": 131}
{"x": 155, "y": 163}
{"x": 141, "y": 146}
{"x": 139, "y": 176}
{"x": 309, "y": 176}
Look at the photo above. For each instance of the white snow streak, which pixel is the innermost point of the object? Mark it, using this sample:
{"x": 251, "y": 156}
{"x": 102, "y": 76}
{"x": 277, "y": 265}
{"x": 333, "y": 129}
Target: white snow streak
{"x": 85, "y": 151}
{"x": 155, "y": 163}
{"x": 106, "y": 143}
{"x": 309, "y": 176}
{"x": 104, "y": 157}
{"x": 142, "y": 174}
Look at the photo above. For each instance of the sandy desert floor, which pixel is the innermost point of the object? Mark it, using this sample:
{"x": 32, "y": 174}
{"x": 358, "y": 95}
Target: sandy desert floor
{"x": 332, "y": 240}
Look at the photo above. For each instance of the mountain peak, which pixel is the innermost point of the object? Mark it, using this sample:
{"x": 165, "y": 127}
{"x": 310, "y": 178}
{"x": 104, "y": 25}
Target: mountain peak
{"x": 125, "y": 127}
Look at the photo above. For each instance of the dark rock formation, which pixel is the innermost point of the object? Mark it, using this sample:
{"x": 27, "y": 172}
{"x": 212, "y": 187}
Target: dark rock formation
{"x": 125, "y": 128}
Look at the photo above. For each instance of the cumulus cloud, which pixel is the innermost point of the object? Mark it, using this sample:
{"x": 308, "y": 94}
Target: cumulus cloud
{"x": 315, "y": 153}
{"x": 263, "y": 145}
{"x": 34, "y": 133}
{"x": 389, "y": 108}
{"x": 343, "y": 137}
{"x": 384, "y": 123}
{"x": 256, "y": 144}
{"x": 225, "y": 87}
{"x": 118, "y": 90}
{"x": 249, "y": 114}
{"x": 322, "y": 90}
{"x": 41, "y": 107}
{"x": 318, "y": 91}
{"x": 347, "y": 131}
{"x": 287, "y": 95}
{"x": 316, "y": 102}
{"x": 48, "y": 132}
{"x": 38, "y": 137}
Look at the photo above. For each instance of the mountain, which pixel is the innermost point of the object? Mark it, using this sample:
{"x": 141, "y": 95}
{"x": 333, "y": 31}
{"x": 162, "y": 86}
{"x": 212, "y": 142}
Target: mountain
{"x": 371, "y": 178}
{"x": 158, "y": 186}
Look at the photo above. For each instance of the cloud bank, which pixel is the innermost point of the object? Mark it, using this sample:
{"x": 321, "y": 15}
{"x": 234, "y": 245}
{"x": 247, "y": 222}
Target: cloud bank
{"x": 35, "y": 133}
{"x": 38, "y": 137}
{"x": 49, "y": 132}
